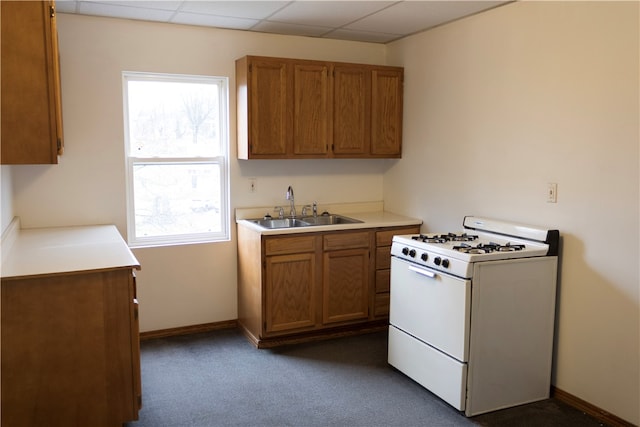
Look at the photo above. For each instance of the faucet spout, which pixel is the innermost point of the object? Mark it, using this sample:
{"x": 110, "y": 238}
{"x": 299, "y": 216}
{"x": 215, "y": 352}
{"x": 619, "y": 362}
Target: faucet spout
{"x": 290, "y": 198}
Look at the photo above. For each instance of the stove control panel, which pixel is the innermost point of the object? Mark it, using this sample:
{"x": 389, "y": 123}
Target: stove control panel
{"x": 431, "y": 260}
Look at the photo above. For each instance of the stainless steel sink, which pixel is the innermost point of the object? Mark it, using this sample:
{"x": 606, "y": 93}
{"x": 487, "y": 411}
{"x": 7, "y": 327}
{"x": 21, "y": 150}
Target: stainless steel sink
{"x": 307, "y": 221}
{"x": 279, "y": 223}
{"x": 329, "y": 220}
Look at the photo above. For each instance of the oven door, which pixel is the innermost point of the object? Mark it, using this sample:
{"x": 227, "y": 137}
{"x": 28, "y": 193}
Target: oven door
{"x": 431, "y": 306}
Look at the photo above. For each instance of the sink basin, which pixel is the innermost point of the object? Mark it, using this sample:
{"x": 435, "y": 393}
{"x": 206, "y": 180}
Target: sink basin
{"x": 279, "y": 223}
{"x": 307, "y": 221}
{"x": 329, "y": 220}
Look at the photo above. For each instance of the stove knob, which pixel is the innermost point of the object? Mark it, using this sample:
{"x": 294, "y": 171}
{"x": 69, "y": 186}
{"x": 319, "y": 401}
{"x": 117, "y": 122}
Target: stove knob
{"x": 424, "y": 257}
{"x": 445, "y": 263}
{"x": 437, "y": 260}
{"x": 412, "y": 253}
{"x": 405, "y": 251}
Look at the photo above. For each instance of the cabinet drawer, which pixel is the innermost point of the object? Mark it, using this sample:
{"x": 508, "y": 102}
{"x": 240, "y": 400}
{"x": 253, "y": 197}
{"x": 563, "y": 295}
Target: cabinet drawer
{"x": 383, "y": 280}
{"x": 346, "y": 241}
{"x": 381, "y": 307}
{"x": 383, "y": 257}
{"x": 383, "y": 238}
{"x": 289, "y": 245}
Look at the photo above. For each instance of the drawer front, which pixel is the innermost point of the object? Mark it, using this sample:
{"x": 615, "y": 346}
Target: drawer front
{"x": 383, "y": 238}
{"x": 346, "y": 241}
{"x": 383, "y": 280}
{"x": 381, "y": 307}
{"x": 383, "y": 257}
{"x": 289, "y": 245}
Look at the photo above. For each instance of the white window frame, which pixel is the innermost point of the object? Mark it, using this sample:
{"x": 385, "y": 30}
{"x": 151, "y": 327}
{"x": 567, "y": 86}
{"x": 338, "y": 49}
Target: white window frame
{"x": 221, "y": 160}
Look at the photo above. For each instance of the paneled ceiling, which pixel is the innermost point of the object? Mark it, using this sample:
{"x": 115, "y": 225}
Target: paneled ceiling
{"x": 368, "y": 21}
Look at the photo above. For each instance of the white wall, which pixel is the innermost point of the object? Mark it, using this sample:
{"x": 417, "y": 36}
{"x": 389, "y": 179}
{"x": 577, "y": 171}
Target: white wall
{"x": 183, "y": 285}
{"x": 500, "y": 104}
{"x": 6, "y": 196}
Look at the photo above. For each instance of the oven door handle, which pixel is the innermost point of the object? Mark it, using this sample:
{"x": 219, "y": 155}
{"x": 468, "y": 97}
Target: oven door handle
{"x": 422, "y": 272}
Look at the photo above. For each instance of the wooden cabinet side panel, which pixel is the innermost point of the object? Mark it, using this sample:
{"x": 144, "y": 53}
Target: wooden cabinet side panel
{"x": 250, "y": 281}
{"x": 312, "y": 112}
{"x": 119, "y": 346}
{"x": 242, "y": 108}
{"x": 67, "y": 357}
{"x": 386, "y": 112}
{"x": 28, "y": 84}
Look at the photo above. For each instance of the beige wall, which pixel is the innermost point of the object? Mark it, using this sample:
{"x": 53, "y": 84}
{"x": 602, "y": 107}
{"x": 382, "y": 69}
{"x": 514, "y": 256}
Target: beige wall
{"x": 182, "y": 285}
{"x": 514, "y": 98}
{"x": 502, "y": 103}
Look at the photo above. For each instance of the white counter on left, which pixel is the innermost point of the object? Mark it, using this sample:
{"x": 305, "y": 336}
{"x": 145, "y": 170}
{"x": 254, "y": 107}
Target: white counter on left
{"x": 49, "y": 251}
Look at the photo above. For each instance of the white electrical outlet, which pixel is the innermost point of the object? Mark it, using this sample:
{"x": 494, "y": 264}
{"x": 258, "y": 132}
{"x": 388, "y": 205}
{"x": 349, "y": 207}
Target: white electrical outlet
{"x": 552, "y": 192}
{"x": 253, "y": 185}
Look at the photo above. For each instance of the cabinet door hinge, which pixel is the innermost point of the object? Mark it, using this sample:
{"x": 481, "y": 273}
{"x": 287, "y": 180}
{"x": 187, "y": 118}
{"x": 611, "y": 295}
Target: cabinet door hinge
{"x": 52, "y": 11}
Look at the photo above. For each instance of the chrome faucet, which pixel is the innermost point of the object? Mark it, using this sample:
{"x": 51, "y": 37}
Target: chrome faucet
{"x": 291, "y": 200}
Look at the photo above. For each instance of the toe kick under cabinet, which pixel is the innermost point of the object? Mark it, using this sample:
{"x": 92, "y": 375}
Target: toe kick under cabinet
{"x": 70, "y": 342}
{"x": 304, "y": 286}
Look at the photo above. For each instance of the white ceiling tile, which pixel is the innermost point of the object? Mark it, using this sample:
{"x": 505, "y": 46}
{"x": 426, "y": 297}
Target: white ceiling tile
{"x": 293, "y": 29}
{"x": 236, "y": 9}
{"x": 363, "y": 36}
{"x": 408, "y": 17}
{"x": 213, "y": 21}
{"x": 328, "y": 14}
{"x": 120, "y": 11}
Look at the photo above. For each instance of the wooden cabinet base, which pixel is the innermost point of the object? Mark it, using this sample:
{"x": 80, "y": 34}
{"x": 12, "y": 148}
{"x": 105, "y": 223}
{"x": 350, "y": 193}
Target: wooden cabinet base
{"x": 70, "y": 354}
{"x": 319, "y": 335}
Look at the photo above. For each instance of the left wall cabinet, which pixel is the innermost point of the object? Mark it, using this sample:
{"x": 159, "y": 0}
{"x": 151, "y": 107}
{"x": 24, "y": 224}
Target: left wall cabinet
{"x": 70, "y": 337}
{"x": 30, "y": 79}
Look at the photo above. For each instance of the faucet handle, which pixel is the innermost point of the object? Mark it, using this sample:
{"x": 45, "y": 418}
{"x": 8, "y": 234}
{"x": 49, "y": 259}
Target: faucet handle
{"x": 315, "y": 208}
{"x": 304, "y": 209}
{"x": 280, "y": 211}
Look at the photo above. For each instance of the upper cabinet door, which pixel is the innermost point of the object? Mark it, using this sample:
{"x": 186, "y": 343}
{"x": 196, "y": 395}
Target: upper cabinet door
{"x": 351, "y": 114}
{"x": 311, "y": 109}
{"x": 386, "y": 112}
{"x": 264, "y": 92}
{"x": 30, "y": 76}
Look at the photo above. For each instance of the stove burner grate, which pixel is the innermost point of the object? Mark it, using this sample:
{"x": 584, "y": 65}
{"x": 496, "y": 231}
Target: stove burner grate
{"x": 485, "y": 248}
{"x": 443, "y": 238}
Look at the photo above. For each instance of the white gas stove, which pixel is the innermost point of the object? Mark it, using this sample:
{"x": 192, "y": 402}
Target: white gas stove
{"x": 472, "y": 312}
{"x": 482, "y": 240}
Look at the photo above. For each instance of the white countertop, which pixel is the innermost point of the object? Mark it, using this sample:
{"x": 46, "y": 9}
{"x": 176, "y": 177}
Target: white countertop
{"x": 373, "y": 219}
{"x": 49, "y": 251}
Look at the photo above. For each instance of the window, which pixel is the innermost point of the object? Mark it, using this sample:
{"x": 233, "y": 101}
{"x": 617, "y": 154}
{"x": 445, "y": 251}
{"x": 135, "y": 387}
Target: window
{"x": 177, "y": 158}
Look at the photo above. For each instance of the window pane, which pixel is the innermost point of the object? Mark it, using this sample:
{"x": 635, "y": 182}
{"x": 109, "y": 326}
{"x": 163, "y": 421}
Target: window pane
{"x": 173, "y": 199}
{"x": 174, "y": 119}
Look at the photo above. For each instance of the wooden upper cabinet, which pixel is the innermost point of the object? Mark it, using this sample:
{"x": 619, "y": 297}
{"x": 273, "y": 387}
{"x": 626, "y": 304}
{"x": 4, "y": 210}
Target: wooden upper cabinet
{"x": 264, "y": 92}
{"x": 289, "y": 108}
{"x": 351, "y": 118}
{"x": 311, "y": 109}
{"x": 30, "y": 84}
{"x": 386, "y": 112}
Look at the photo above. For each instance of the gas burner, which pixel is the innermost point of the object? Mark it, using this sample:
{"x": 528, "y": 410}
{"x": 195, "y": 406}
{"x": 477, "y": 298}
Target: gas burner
{"x": 430, "y": 239}
{"x": 485, "y": 248}
{"x": 443, "y": 238}
{"x": 462, "y": 237}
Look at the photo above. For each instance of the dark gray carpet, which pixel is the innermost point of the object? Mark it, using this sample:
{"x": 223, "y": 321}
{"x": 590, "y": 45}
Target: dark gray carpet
{"x": 219, "y": 379}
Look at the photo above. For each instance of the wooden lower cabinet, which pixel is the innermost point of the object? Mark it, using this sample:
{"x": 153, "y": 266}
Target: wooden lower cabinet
{"x": 345, "y": 282}
{"x": 299, "y": 287}
{"x": 383, "y": 268}
{"x": 70, "y": 350}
